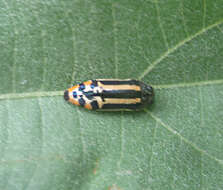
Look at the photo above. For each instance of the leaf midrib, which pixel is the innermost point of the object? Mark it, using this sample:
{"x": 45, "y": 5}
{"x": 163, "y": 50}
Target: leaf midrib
{"x": 39, "y": 94}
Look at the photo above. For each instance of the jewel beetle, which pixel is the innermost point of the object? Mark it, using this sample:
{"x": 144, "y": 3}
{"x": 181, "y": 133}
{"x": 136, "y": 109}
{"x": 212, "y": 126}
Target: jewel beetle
{"x": 111, "y": 95}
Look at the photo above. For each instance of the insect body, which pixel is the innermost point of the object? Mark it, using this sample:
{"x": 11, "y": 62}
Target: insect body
{"x": 111, "y": 94}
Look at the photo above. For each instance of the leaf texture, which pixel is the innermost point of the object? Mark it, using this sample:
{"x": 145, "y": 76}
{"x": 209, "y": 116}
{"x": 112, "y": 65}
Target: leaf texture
{"x": 174, "y": 45}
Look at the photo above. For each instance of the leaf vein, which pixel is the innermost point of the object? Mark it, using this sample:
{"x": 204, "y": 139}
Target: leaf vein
{"x": 184, "y": 139}
{"x": 121, "y": 143}
{"x": 220, "y": 29}
{"x": 74, "y": 47}
{"x": 42, "y": 35}
{"x": 84, "y": 149}
{"x": 183, "y": 18}
{"x": 151, "y": 158}
{"x": 4, "y": 141}
{"x": 114, "y": 26}
{"x": 41, "y": 146}
{"x": 15, "y": 34}
{"x": 201, "y": 108}
{"x": 160, "y": 25}
{"x": 180, "y": 85}
{"x": 177, "y": 46}
{"x": 30, "y": 95}
{"x": 204, "y": 13}
{"x": 60, "y": 93}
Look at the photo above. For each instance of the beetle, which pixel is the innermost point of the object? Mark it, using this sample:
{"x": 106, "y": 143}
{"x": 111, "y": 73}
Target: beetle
{"x": 111, "y": 95}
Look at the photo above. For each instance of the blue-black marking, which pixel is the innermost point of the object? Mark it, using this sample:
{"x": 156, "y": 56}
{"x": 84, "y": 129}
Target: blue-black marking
{"x": 74, "y": 94}
{"x": 81, "y": 102}
{"x": 94, "y": 83}
{"x": 89, "y": 94}
{"x": 81, "y": 87}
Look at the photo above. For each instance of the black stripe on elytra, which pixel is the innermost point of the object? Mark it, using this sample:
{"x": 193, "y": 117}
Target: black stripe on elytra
{"x": 89, "y": 94}
{"x": 120, "y": 94}
{"x": 94, "y": 105}
{"x": 119, "y": 82}
{"x": 122, "y": 106}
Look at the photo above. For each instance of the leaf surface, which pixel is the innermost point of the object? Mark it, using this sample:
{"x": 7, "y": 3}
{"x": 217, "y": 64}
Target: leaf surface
{"x": 176, "y": 46}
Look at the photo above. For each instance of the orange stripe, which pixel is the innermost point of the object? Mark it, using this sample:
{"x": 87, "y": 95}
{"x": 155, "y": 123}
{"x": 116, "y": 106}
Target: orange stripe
{"x": 73, "y": 88}
{"x": 73, "y": 101}
{"x": 88, "y": 106}
{"x": 89, "y": 82}
{"x": 122, "y": 101}
{"x": 120, "y": 87}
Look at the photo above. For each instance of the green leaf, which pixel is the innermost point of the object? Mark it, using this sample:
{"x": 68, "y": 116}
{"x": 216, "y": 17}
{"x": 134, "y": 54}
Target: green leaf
{"x": 174, "y": 45}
